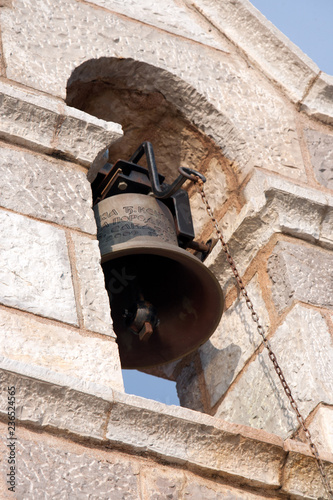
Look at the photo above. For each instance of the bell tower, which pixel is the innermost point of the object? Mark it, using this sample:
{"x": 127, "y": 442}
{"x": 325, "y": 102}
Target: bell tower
{"x": 215, "y": 88}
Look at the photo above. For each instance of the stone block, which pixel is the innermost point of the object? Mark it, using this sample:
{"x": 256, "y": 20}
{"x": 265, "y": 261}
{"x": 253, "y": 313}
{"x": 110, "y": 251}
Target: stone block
{"x": 233, "y": 343}
{"x": 49, "y": 190}
{"x": 52, "y": 406}
{"x": 171, "y": 17}
{"x": 300, "y": 273}
{"x": 272, "y": 205}
{"x": 326, "y": 234}
{"x": 245, "y": 234}
{"x": 292, "y": 209}
{"x": 45, "y": 124}
{"x": 298, "y": 216}
{"x": 318, "y": 103}
{"x": 217, "y": 192}
{"x": 163, "y": 483}
{"x": 301, "y": 478}
{"x": 93, "y": 295}
{"x": 59, "y": 350}
{"x": 48, "y": 469}
{"x": 320, "y": 146}
{"x": 262, "y": 42}
{"x": 35, "y": 272}
{"x": 304, "y": 350}
{"x": 24, "y": 120}
{"x": 183, "y": 436}
{"x": 195, "y": 490}
{"x": 82, "y": 136}
{"x": 321, "y": 428}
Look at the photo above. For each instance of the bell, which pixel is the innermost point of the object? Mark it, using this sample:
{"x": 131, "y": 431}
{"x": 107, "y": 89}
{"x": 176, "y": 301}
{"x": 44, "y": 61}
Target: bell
{"x": 164, "y": 302}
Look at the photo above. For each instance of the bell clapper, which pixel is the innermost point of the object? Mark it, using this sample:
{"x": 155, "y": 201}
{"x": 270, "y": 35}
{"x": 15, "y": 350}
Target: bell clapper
{"x": 142, "y": 320}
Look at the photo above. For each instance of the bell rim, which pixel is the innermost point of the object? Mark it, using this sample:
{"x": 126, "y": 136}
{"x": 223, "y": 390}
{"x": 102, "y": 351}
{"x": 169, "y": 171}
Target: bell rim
{"x": 182, "y": 256}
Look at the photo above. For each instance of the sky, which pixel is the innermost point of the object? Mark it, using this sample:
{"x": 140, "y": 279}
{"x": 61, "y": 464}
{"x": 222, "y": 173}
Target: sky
{"x": 308, "y": 24}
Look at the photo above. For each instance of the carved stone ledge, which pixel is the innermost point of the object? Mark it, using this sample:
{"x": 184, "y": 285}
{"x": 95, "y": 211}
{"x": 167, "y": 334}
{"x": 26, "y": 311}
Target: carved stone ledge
{"x": 177, "y": 435}
{"x": 45, "y": 124}
{"x": 272, "y": 205}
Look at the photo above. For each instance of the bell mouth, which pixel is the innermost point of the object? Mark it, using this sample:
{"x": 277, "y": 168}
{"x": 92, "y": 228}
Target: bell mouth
{"x": 185, "y": 294}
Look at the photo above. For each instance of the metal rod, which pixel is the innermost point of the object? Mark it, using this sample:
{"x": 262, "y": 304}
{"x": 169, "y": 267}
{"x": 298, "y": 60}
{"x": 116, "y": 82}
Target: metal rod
{"x": 159, "y": 192}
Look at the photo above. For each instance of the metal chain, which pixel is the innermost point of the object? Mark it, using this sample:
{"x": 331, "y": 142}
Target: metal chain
{"x": 261, "y": 331}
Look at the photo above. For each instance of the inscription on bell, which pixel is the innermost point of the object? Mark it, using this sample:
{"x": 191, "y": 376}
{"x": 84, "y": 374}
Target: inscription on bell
{"x": 146, "y": 219}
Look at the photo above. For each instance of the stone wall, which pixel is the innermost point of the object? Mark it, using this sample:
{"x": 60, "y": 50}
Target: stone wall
{"x": 216, "y": 87}
{"x": 52, "y": 312}
{"x": 79, "y": 444}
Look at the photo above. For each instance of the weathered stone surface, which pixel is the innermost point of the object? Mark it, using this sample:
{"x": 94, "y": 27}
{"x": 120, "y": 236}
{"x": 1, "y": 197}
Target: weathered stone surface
{"x": 82, "y": 136}
{"x": 272, "y": 205}
{"x": 178, "y": 436}
{"x": 154, "y": 104}
{"x": 321, "y": 428}
{"x": 298, "y": 211}
{"x": 321, "y": 150}
{"x": 326, "y": 234}
{"x": 170, "y": 16}
{"x": 98, "y": 163}
{"x": 300, "y": 273}
{"x": 35, "y": 274}
{"x": 109, "y": 36}
{"x": 319, "y": 101}
{"x": 93, "y": 296}
{"x": 183, "y": 436}
{"x": 222, "y": 83}
{"x": 277, "y": 56}
{"x": 233, "y": 343}
{"x": 301, "y": 475}
{"x": 48, "y": 471}
{"x": 175, "y": 434}
{"x": 24, "y": 120}
{"x": 196, "y": 491}
{"x": 48, "y": 190}
{"x": 49, "y": 405}
{"x": 161, "y": 484}
{"x": 143, "y": 115}
{"x": 44, "y": 123}
{"x": 60, "y": 350}
{"x": 216, "y": 190}
{"x": 188, "y": 388}
{"x": 304, "y": 350}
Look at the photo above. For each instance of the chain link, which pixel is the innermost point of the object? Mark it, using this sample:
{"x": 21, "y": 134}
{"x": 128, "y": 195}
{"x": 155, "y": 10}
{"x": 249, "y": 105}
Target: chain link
{"x": 261, "y": 331}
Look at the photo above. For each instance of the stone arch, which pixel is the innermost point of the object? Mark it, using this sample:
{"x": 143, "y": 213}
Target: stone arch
{"x": 98, "y": 86}
{"x": 122, "y": 90}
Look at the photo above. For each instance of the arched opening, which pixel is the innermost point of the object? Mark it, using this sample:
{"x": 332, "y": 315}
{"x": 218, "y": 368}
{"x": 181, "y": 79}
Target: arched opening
{"x": 153, "y": 105}
{"x": 124, "y": 93}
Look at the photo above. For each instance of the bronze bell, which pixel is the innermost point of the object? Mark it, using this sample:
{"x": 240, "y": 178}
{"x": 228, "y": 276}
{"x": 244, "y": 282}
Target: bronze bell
{"x": 164, "y": 302}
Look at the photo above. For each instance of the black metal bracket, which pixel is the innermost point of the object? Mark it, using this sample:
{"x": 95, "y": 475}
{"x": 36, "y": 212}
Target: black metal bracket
{"x": 129, "y": 177}
{"x": 158, "y": 191}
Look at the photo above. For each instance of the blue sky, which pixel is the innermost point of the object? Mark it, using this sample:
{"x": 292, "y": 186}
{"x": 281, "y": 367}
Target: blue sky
{"x": 307, "y": 23}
